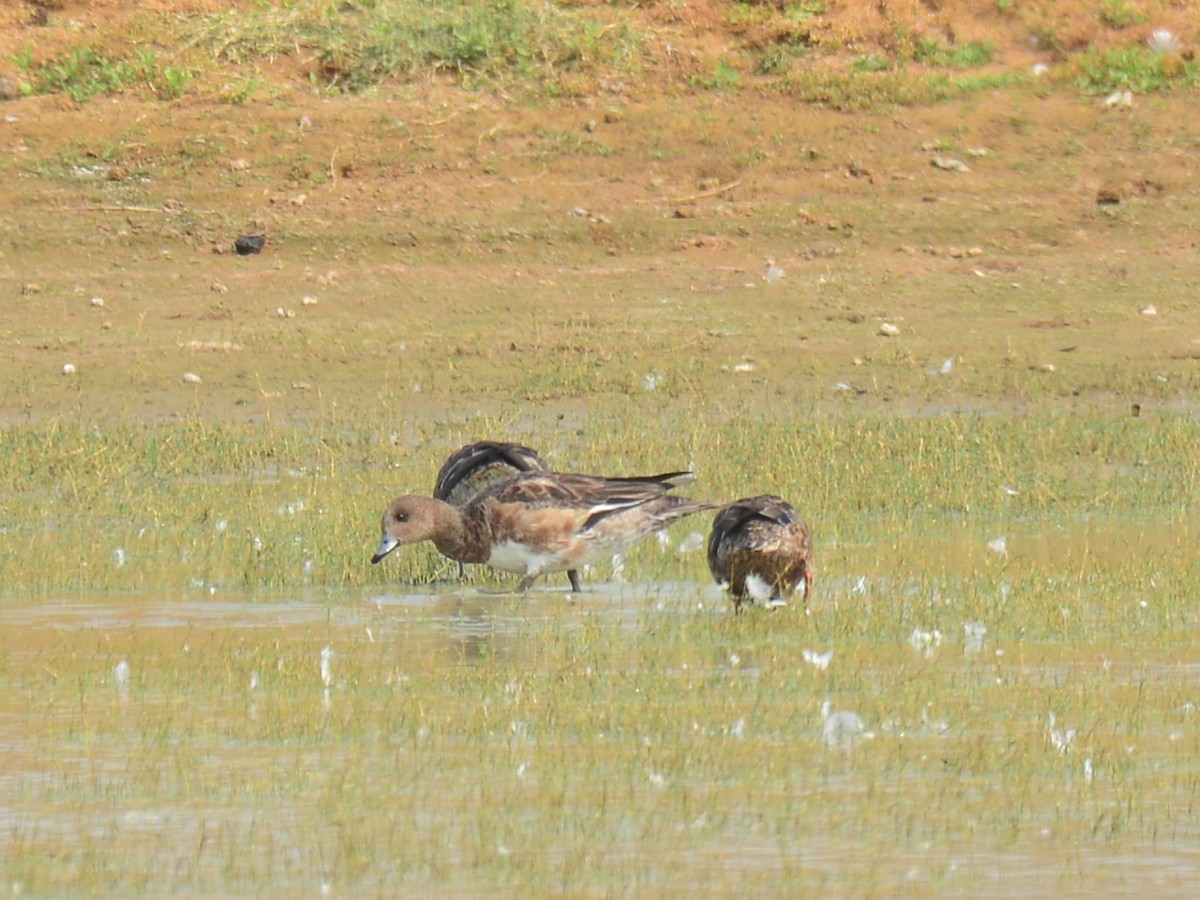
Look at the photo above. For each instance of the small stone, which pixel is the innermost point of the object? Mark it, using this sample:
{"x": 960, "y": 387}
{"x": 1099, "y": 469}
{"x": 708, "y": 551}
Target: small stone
{"x": 887, "y": 329}
{"x": 9, "y": 88}
{"x": 31, "y": 288}
{"x": 69, "y": 369}
{"x": 98, "y": 302}
{"x": 1148, "y": 310}
{"x": 192, "y": 378}
{"x": 248, "y": 244}
{"x": 217, "y": 288}
{"x": 949, "y": 164}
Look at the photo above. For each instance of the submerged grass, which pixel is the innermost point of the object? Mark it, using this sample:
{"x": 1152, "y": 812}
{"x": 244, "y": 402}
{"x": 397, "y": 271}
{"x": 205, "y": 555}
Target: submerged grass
{"x": 571, "y": 750}
{"x": 1026, "y": 701}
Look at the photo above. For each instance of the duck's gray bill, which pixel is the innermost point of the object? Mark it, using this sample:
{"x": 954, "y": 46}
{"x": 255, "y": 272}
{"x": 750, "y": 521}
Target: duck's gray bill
{"x": 386, "y": 546}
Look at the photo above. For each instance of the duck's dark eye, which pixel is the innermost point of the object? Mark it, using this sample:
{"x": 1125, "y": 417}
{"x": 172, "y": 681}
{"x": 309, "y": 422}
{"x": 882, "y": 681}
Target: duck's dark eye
{"x": 401, "y": 517}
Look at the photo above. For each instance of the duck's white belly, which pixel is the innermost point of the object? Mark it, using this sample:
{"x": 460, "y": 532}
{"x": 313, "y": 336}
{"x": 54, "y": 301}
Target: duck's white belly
{"x": 510, "y": 556}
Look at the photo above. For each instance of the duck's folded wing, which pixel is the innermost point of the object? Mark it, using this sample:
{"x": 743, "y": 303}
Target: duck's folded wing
{"x": 569, "y": 491}
{"x": 470, "y": 461}
{"x": 778, "y": 511}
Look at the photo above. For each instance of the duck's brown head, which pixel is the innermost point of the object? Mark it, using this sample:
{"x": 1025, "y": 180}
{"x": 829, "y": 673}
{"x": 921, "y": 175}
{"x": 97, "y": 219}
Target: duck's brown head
{"x": 407, "y": 520}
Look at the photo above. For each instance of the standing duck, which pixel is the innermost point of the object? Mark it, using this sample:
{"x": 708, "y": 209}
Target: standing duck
{"x": 760, "y": 550}
{"x": 540, "y": 522}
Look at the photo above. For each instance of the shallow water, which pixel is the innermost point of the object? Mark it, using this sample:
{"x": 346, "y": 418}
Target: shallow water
{"x": 637, "y": 737}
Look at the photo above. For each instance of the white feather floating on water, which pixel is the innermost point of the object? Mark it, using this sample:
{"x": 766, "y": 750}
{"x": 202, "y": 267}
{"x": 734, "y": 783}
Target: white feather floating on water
{"x": 1060, "y": 738}
{"x": 327, "y": 666}
{"x": 973, "y": 635}
{"x": 925, "y": 642}
{"x": 819, "y": 661}
{"x": 840, "y": 730}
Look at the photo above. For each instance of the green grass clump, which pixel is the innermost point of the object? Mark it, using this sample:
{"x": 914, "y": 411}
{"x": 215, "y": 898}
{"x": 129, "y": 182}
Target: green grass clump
{"x": 1119, "y": 14}
{"x": 962, "y": 56}
{"x": 86, "y": 72}
{"x": 1135, "y": 68}
{"x": 361, "y": 44}
{"x": 871, "y": 88}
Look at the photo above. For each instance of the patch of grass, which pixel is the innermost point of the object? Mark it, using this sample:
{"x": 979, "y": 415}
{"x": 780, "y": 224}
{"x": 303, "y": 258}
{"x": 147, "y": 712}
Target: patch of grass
{"x": 1135, "y": 68}
{"x": 773, "y": 61}
{"x": 873, "y": 63}
{"x": 867, "y": 90}
{"x": 870, "y": 88}
{"x": 1119, "y": 14}
{"x": 963, "y": 56}
{"x": 724, "y": 78}
{"x": 83, "y": 73}
{"x": 227, "y": 507}
{"x": 971, "y": 84}
{"x": 358, "y": 45}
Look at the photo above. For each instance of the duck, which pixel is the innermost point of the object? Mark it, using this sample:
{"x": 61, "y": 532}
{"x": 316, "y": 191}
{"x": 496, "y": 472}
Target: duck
{"x": 475, "y": 467}
{"x": 760, "y": 550}
{"x": 535, "y": 523}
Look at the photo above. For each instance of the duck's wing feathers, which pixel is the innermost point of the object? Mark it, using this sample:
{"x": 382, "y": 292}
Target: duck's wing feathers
{"x": 479, "y": 466}
{"x": 591, "y": 493}
{"x": 772, "y": 509}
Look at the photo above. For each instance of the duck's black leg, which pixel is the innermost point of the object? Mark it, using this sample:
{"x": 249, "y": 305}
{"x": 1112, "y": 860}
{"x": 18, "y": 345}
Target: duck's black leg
{"x": 574, "y": 577}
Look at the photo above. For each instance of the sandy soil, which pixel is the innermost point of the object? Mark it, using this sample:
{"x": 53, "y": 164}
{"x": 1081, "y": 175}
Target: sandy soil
{"x": 428, "y": 246}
